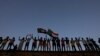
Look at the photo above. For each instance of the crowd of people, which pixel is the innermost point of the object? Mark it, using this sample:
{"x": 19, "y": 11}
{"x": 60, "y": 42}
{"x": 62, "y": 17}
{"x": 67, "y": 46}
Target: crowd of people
{"x": 50, "y": 44}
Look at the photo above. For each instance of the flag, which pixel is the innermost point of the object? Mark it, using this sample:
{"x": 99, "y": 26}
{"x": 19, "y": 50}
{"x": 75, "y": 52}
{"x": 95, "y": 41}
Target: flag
{"x": 41, "y": 30}
{"x": 52, "y": 34}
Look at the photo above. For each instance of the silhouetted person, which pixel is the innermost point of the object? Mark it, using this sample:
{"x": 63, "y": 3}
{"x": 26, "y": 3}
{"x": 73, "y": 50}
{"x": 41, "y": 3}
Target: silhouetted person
{"x": 67, "y": 44}
{"x": 48, "y": 45}
{"x": 1, "y": 40}
{"x": 58, "y": 44}
{"x": 44, "y": 44}
{"x": 11, "y": 43}
{"x": 99, "y": 40}
{"x": 27, "y": 43}
{"x": 73, "y": 44}
{"x": 34, "y": 44}
{"x": 78, "y": 44}
{"x": 90, "y": 44}
{"x": 40, "y": 44}
{"x": 62, "y": 44}
{"x": 4, "y": 42}
{"x": 54, "y": 44}
{"x": 21, "y": 43}
{"x": 85, "y": 44}
{"x": 97, "y": 48}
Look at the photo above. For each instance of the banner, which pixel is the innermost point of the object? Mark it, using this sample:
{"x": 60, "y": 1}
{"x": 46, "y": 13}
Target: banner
{"x": 41, "y": 30}
{"x": 52, "y": 34}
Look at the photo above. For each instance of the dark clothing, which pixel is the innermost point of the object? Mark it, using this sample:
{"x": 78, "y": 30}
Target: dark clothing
{"x": 4, "y": 42}
{"x": 27, "y": 43}
{"x": 40, "y": 44}
{"x": 91, "y": 45}
{"x": 1, "y": 40}
{"x": 73, "y": 45}
{"x": 97, "y": 48}
{"x": 63, "y": 45}
{"x": 44, "y": 45}
{"x": 67, "y": 45}
{"x": 99, "y": 40}
{"x": 73, "y": 48}
{"x": 26, "y": 46}
{"x": 54, "y": 44}
{"x": 86, "y": 47}
{"x": 85, "y": 43}
{"x": 78, "y": 45}
{"x": 58, "y": 45}
{"x": 34, "y": 44}
{"x": 11, "y": 43}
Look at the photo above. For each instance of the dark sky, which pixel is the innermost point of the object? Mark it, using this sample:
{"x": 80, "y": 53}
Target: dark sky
{"x": 70, "y": 18}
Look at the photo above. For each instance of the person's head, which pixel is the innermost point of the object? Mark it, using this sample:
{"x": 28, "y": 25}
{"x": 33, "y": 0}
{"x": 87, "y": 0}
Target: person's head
{"x": 0, "y": 38}
{"x": 13, "y": 38}
{"x": 62, "y": 38}
{"x": 76, "y": 38}
{"x": 41, "y": 38}
{"x": 23, "y": 38}
{"x": 34, "y": 38}
{"x": 7, "y": 37}
{"x": 91, "y": 39}
{"x": 66, "y": 37}
{"x": 82, "y": 38}
{"x": 71, "y": 38}
{"x": 87, "y": 38}
{"x": 99, "y": 40}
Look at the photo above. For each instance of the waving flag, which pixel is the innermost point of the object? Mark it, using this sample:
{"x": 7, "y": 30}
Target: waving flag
{"x": 41, "y": 30}
{"x": 52, "y": 34}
